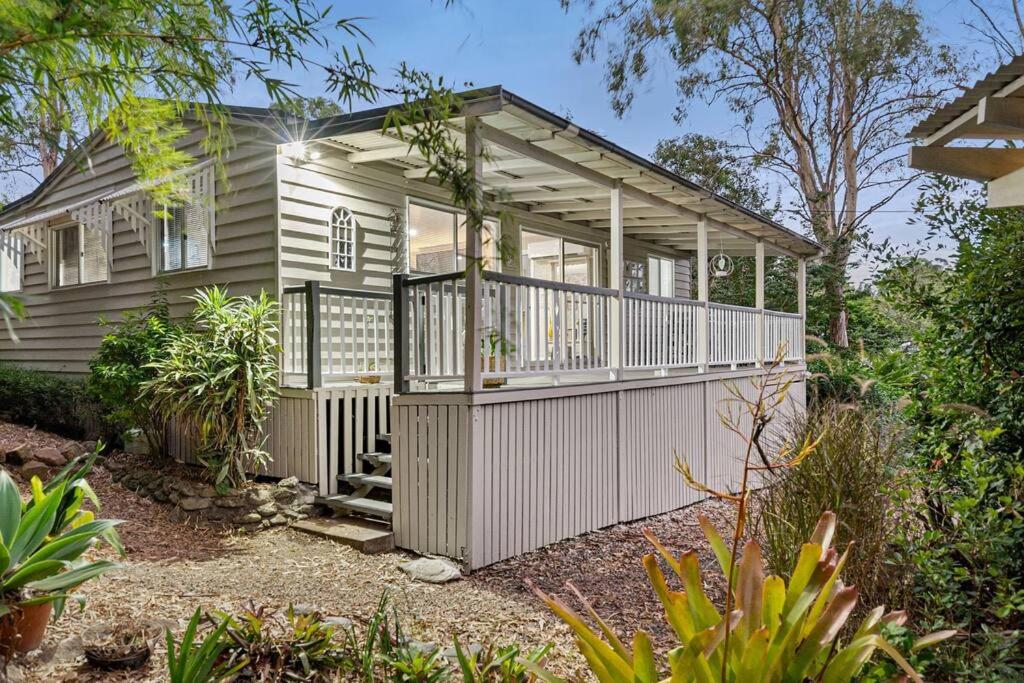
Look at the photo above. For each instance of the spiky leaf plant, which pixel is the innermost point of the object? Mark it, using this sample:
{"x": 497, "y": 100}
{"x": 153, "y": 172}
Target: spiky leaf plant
{"x": 779, "y": 631}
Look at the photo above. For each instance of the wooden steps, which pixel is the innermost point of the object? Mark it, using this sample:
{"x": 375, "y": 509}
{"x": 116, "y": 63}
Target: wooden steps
{"x": 360, "y": 504}
{"x": 372, "y": 480}
{"x": 364, "y": 535}
{"x": 376, "y": 483}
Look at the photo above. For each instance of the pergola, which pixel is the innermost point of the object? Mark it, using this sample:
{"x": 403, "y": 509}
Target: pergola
{"x": 991, "y": 110}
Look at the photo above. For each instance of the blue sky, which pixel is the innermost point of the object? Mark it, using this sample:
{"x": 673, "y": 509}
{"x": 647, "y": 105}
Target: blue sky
{"x": 526, "y": 47}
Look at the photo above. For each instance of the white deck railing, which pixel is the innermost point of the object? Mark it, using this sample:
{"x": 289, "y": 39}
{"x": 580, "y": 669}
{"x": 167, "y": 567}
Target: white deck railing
{"x": 661, "y": 332}
{"x": 355, "y": 334}
{"x": 535, "y": 327}
{"x": 732, "y": 334}
{"x": 530, "y": 328}
{"x": 783, "y": 328}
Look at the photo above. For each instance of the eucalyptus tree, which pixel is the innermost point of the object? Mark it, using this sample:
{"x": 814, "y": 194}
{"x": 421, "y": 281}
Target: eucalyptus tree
{"x": 824, "y": 91}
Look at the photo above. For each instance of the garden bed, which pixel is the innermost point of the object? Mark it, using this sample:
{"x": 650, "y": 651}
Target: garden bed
{"x": 174, "y": 566}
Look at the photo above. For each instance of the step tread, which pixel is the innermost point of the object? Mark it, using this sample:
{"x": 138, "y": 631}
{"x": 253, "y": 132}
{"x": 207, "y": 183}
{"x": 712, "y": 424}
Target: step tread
{"x": 376, "y": 480}
{"x": 386, "y": 436}
{"x": 370, "y": 506}
{"x": 375, "y": 457}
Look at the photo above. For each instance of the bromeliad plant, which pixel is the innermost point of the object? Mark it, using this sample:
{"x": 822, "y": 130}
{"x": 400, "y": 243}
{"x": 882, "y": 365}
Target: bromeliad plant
{"x": 769, "y": 630}
{"x": 42, "y": 540}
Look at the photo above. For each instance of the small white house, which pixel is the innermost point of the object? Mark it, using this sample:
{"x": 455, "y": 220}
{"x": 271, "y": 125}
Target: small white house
{"x": 484, "y": 413}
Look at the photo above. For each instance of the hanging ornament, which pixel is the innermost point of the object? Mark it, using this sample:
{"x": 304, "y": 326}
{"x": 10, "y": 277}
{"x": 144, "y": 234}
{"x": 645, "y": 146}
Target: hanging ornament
{"x": 721, "y": 264}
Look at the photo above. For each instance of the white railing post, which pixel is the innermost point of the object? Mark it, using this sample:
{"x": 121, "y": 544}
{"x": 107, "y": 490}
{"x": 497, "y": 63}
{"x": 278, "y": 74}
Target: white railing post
{"x": 617, "y": 282}
{"x": 703, "y": 316}
{"x": 759, "y": 350}
{"x": 801, "y": 302}
{"x": 474, "y": 253}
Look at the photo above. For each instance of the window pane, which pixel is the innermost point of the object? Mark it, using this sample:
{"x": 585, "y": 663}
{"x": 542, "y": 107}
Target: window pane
{"x": 343, "y": 237}
{"x": 173, "y": 224}
{"x": 668, "y": 277}
{"x": 94, "y": 256}
{"x": 67, "y": 256}
{"x": 489, "y": 240}
{"x": 431, "y": 235}
{"x": 580, "y": 264}
{"x": 197, "y": 236}
{"x": 539, "y": 256}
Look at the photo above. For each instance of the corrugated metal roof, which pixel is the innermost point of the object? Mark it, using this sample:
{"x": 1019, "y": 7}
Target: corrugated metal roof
{"x": 989, "y": 85}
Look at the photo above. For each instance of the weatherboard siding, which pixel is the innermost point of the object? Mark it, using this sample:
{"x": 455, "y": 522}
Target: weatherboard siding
{"x": 61, "y": 331}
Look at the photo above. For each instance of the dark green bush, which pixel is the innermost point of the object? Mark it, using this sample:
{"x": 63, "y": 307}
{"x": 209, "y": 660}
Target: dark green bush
{"x": 123, "y": 364}
{"x": 47, "y": 401}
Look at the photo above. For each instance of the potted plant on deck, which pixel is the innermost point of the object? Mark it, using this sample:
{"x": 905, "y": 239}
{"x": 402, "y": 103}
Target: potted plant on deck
{"x": 494, "y": 348}
{"x": 370, "y": 376}
{"x": 42, "y": 543}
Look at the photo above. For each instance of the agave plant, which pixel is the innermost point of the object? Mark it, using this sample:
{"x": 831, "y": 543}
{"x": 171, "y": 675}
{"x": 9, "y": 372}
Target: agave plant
{"x": 777, "y": 632}
{"x": 42, "y": 541}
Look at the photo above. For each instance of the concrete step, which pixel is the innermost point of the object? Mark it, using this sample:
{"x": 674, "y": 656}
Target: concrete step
{"x": 376, "y": 459}
{"x": 374, "y": 480}
{"x": 384, "y": 437}
{"x": 364, "y": 535}
{"x": 365, "y": 506}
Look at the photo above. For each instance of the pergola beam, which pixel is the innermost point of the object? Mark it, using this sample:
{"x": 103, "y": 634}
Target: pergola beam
{"x": 975, "y": 163}
{"x": 1002, "y": 113}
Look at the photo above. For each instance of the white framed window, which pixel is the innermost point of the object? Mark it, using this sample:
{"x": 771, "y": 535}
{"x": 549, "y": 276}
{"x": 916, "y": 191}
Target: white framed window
{"x": 80, "y": 256}
{"x": 343, "y": 239}
{"x": 661, "y": 276}
{"x": 12, "y": 259}
{"x": 548, "y": 257}
{"x": 184, "y": 238}
{"x": 437, "y": 240}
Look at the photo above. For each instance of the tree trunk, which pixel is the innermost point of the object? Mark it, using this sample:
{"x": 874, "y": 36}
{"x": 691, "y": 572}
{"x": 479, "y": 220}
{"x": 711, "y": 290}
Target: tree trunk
{"x": 836, "y": 257}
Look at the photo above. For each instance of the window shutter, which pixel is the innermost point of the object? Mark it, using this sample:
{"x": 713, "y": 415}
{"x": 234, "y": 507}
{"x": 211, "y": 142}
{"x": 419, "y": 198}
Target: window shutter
{"x": 12, "y": 258}
{"x": 202, "y": 190}
{"x": 68, "y": 254}
{"x": 173, "y": 223}
{"x": 94, "y": 254}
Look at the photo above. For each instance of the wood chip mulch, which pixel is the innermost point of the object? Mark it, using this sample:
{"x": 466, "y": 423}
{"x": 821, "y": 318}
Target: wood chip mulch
{"x": 606, "y": 568}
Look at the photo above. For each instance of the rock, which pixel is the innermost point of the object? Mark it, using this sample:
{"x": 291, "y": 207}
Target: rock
{"x": 89, "y": 446}
{"x": 71, "y": 450}
{"x": 249, "y": 518}
{"x": 431, "y": 570}
{"x": 278, "y": 520}
{"x": 343, "y": 623}
{"x": 50, "y": 456}
{"x": 303, "y": 608}
{"x": 284, "y": 496}
{"x": 267, "y": 509}
{"x": 34, "y": 468}
{"x": 229, "y": 501}
{"x": 260, "y": 495}
{"x": 194, "y": 503}
{"x": 19, "y": 454}
{"x": 289, "y": 482}
{"x": 135, "y": 443}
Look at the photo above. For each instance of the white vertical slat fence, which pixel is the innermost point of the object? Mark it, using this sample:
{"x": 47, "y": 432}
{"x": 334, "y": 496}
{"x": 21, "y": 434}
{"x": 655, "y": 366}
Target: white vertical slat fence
{"x": 732, "y": 334}
{"x": 783, "y": 328}
{"x": 661, "y": 332}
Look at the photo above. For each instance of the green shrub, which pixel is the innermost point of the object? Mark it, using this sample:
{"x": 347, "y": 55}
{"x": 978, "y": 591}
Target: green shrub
{"x": 854, "y": 472}
{"x": 123, "y": 364}
{"x": 47, "y": 401}
{"x": 219, "y": 377}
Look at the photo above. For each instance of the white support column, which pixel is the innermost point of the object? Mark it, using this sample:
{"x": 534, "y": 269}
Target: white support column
{"x": 617, "y": 281}
{"x": 702, "y": 295}
{"x": 801, "y": 301}
{"x": 474, "y": 254}
{"x": 759, "y": 301}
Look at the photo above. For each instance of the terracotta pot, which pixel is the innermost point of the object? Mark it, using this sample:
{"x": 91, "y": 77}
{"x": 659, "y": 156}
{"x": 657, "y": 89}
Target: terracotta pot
{"x": 491, "y": 366}
{"x": 23, "y": 628}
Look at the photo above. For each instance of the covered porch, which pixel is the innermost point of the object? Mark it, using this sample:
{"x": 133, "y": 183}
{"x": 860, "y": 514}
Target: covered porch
{"x": 606, "y": 276}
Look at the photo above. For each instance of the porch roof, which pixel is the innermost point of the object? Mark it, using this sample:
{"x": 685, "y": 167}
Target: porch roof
{"x": 543, "y": 163}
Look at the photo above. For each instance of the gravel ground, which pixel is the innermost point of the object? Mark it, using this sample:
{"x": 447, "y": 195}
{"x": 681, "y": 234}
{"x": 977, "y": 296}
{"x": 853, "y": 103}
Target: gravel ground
{"x": 173, "y": 567}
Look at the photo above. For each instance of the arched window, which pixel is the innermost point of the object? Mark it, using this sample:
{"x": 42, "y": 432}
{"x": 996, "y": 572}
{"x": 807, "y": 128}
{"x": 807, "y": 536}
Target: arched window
{"x": 343, "y": 239}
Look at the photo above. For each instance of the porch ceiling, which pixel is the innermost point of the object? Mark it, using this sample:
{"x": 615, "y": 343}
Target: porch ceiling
{"x": 542, "y": 164}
